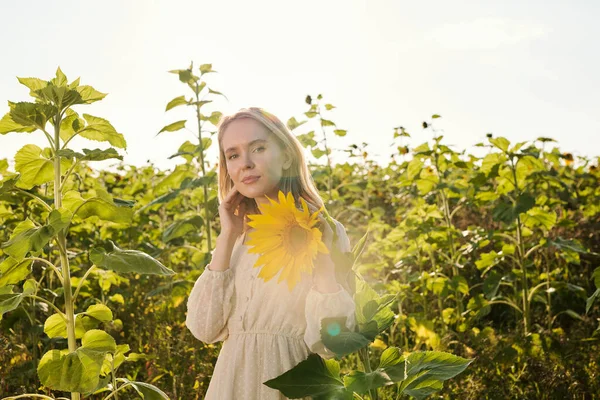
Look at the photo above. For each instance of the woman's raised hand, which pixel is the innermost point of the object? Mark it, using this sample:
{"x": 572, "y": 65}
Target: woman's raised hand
{"x": 232, "y": 212}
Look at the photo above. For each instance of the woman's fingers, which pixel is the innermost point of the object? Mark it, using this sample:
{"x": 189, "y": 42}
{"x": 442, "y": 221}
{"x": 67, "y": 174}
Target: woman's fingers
{"x": 233, "y": 198}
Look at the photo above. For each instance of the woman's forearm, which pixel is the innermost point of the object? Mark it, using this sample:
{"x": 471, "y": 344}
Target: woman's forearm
{"x": 222, "y": 254}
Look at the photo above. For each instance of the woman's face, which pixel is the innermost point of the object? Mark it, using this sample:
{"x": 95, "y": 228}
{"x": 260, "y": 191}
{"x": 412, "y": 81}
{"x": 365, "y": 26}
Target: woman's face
{"x": 254, "y": 161}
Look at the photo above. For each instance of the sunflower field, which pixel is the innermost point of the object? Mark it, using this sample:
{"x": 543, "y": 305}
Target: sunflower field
{"x": 478, "y": 276}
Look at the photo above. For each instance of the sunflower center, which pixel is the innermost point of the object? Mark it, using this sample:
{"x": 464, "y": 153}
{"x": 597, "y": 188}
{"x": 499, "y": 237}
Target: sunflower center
{"x": 298, "y": 238}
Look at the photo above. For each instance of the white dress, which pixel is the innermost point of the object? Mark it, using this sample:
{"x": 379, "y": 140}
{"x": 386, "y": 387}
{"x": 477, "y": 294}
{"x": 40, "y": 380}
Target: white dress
{"x": 266, "y": 329}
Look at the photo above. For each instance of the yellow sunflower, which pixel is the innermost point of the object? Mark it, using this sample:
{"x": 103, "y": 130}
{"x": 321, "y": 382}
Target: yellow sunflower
{"x": 286, "y": 239}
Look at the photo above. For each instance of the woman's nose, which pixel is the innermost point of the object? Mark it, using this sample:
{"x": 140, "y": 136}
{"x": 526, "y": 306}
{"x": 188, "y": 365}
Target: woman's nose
{"x": 248, "y": 163}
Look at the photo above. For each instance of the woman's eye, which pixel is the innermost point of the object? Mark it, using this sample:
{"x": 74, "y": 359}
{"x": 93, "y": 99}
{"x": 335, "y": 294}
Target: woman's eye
{"x": 259, "y": 148}
{"x": 231, "y": 156}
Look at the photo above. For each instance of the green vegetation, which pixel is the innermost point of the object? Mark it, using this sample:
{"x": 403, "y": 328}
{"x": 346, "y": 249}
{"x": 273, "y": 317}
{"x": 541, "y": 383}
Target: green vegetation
{"x": 487, "y": 265}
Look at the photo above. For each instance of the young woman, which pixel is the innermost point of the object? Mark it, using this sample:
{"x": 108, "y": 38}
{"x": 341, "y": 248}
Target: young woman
{"x": 266, "y": 329}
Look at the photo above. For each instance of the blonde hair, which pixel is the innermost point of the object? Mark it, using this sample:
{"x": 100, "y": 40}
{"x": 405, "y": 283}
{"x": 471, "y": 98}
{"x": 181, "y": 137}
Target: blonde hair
{"x": 296, "y": 179}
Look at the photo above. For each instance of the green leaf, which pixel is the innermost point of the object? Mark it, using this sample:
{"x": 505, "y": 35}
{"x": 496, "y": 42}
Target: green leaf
{"x": 293, "y": 124}
{"x": 34, "y": 168}
{"x": 32, "y": 114}
{"x": 101, "y": 130}
{"x": 25, "y": 238}
{"x": 588, "y": 303}
{"x": 91, "y": 155}
{"x": 13, "y": 271}
{"x": 9, "y": 300}
{"x": 337, "y": 338}
{"x": 423, "y": 373}
{"x": 55, "y": 326}
{"x": 33, "y": 84}
{"x": 501, "y": 143}
{"x": 146, "y": 390}
{"x": 326, "y": 122}
{"x": 101, "y": 208}
{"x": 414, "y": 168}
{"x": 206, "y": 68}
{"x": 7, "y": 124}
{"x": 128, "y": 261}
{"x": 307, "y": 139}
{"x": 78, "y": 371}
{"x": 59, "y": 219}
{"x": 539, "y": 217}
{"x": 507, "y": 213}
{"x": 340, "y": 132}
{"x": 490, "y": 161}
{"x": 182, "y": 227}
{"x": 177, "y": 101}
{"x": 61, "y": 97}
{"x": 89, "y": 95}
{"x": 61, "y": 78}
{"x": 360, "y": 382}
{"x": 175, "y": 126}
{"x": 318, "y": 153}
{"x": 310, "y": 377}
{"x": 98, "y": 340}
{"x": 100, "y": 312}
{"x": 70, "y": 125}
{"x": 596, "y": 276}
{"x": 214, "y": 118}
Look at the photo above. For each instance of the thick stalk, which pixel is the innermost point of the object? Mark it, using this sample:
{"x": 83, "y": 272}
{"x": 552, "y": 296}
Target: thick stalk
{"x": 521, "y": 258}
{"x": 363, "y": 354}
{"x": 62, "y": 245}
{"x": 201, "y": 161}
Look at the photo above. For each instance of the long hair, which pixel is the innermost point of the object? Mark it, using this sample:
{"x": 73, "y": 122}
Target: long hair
{"x": 296, "y": 179}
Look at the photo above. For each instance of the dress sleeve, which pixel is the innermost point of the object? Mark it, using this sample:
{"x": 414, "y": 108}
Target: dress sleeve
{"x": 209, "y": 305}
{"x": 325, "y": 305}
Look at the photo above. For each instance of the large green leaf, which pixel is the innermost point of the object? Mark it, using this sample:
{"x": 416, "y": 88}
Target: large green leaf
{"x": 146, "y": 390}
{"x": 128, "y": 261}
{"x": 13, "y": 271}
{"x": 370, "y": 307}
{"x": 10, "y": 300}
{"x": 78, "y": 371}
{"x": 501, "y": 143}
{"x": 101, "y": 208}
{"x": 537, "y": 216}
{"x": 27, "y": 237}
{"x": 70, "y": 125}
{"x": 33, "y": 84}
{"x": 55, "y": 325}
{"x": 32, "y": 114}
{"x": 361, "y": 382}
{"x": 337, "y": 338}
{"x": 310, "y": 377}
{"x": 101, "y": 130}
{"x": 7, "y": 124}
{"x": 35, "y": 166}
{"x": 425, "y": 372}
{"x": 91, "y": 155}
{"x": 60, "y": 96}
{"x": 89, "y": 94}
{"x": 182, "y": 227}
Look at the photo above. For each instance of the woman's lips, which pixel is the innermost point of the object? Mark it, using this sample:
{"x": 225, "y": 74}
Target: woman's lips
{"x": 248, "y": 181}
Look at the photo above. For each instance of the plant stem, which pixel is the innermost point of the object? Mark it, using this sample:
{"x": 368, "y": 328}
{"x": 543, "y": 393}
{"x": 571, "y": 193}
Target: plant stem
{"x": 521, "y": 256}
{"x": 201, "y": 161}
{"x": 62, "y": 244}
{"x": 363, "y": 354}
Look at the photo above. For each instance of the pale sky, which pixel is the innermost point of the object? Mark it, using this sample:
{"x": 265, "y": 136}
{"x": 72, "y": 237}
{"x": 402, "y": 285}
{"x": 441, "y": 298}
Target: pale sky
{"x": 519, "y": 69}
